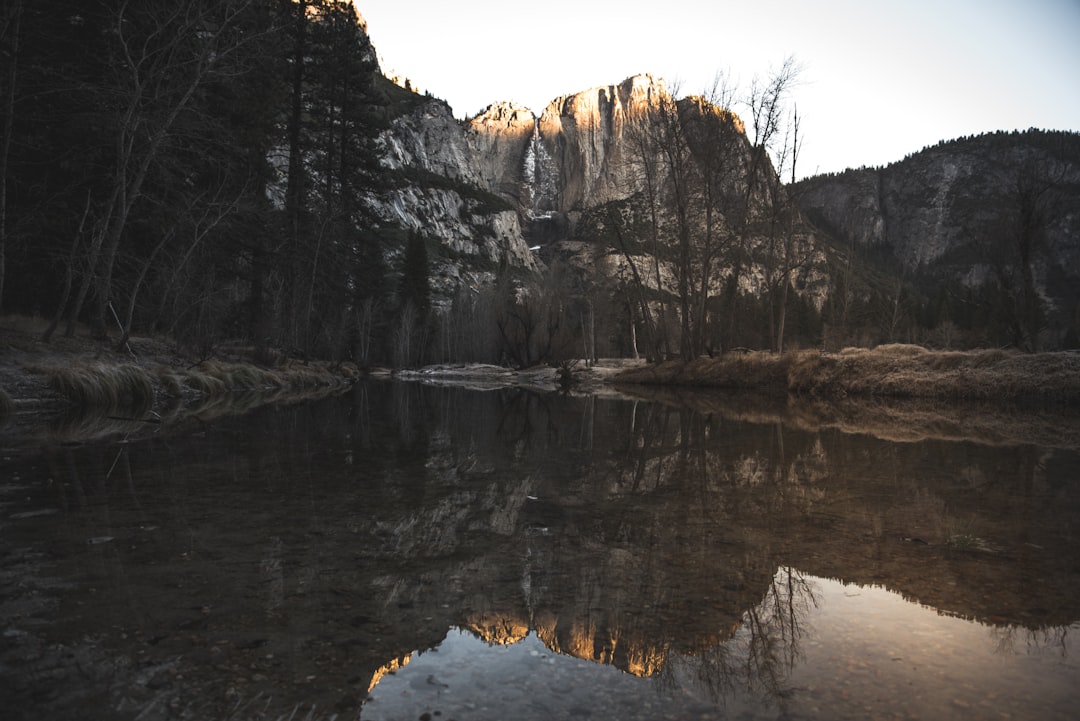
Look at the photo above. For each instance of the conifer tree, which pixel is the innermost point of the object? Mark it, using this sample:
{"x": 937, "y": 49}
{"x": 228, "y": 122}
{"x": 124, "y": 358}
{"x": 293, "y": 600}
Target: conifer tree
{"x": 416, "y": 275}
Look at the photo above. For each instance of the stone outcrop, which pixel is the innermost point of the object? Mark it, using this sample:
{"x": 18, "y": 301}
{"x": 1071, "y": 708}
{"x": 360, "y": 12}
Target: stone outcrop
{"x": 447, "y": 195}
{"x": 576, "y": 155}
{"x": 430, "y": 138}
{"x": 942, "y": 198}
{"x": 548, "y": 171}
{"x": 499, "y": 139}
{"x": 927, "y": 218}
{"x": 586, "y": 136}
{"x": 947, "y": 212}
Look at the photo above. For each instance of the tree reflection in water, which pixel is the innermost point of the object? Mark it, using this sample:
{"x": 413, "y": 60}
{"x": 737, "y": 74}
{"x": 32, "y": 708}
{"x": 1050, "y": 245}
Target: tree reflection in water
{"x": 298, "y": 552}
{"x": 763, "y": 650}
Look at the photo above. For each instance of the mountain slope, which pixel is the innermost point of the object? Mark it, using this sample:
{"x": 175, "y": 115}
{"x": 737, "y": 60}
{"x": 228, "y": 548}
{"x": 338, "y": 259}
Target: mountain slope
{"x": 991, "y": 221}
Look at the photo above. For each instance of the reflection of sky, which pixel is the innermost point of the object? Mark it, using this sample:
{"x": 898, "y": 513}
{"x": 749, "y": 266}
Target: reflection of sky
{"x": 906, "y": 656}
{"x": 881, "y": 79}
{"x": 860, "y": 653}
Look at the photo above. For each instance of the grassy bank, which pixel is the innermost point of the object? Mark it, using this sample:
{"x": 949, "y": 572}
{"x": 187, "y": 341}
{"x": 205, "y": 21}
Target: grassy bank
{"x": 83, "y": 401}
{"x": 82, "y": 378}
{"x": 138, "y": 388}
{"x": 897, "y": 371}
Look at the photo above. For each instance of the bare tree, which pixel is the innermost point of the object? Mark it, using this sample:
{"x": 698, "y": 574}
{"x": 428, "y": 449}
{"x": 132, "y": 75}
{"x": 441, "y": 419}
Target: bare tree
{"x": 680, "y": 174}
{"x": 406, "y": 337}
{"x": 646, "y": 166}
{"x": 717, "y": 138}
{"x": 776, "y": 131}
{"x": 198, "y": 220}
{"x": 640, "y": 290}
{"x": 1017, "y": 240}
{"x": 69, "y": 273}
{"x": 789, "y": 245}
{"x": 710, "y": 193}
{"x": 10, "y": 22}
{"x": 534, "y": 321}
{"x": 166, "y": 51}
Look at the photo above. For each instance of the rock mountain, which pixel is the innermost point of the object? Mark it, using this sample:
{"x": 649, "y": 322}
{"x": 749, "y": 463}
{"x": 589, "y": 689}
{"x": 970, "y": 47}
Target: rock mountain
{"x": 967, "y": 213}
{"x": 547, "y": 169}
{"x": 507, "y": 188}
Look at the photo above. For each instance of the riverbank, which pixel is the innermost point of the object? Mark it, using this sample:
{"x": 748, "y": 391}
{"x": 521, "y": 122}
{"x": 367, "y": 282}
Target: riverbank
{"x": 80, "y": 372}
{"x": 890, "y": 371}
{"x": 76, "y": 389}
{"x": 71, "y": 384}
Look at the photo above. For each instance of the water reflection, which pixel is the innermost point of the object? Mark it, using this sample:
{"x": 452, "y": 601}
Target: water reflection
{"x": 862, "y": 652}
{"x": 293, "y": 557}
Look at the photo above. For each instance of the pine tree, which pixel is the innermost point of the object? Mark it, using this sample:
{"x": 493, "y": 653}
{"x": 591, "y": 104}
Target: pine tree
{"x": 416, "y": 275}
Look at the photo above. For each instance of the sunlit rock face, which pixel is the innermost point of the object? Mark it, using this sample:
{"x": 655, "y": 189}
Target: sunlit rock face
{"x": 392, "y": 666}
{"x": 574, "y": 156}
{"x": 497, "y": 628}
{"x": 499, "y": 139}
{"x": 585, "y": 135}
{"x": 447, "y": 193}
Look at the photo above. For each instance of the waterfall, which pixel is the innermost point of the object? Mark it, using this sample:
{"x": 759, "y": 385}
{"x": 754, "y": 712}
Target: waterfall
{"x": 539, "y": 177}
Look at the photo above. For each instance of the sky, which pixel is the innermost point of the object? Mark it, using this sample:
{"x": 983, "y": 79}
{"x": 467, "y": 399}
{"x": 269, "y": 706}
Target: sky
{"x": 879, "y": 80}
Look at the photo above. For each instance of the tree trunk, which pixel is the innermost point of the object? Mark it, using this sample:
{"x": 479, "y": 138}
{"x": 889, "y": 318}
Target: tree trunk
{"x": 96, "y": 242}
{"x": 295, "y": 188}
{"x": 132, "y": 169}
{"x": 5, "y": 136}
{"x": 643, "y": 305}
{"x": 782, "y": 312}
{"x": 69, "y": 271}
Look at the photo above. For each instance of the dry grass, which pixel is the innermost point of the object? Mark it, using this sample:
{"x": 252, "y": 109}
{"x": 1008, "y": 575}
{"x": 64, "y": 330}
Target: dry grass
{"x": 132, "y": 391}
{"x": 235, "y": 376}
{"x": 202, "y": 384}
{"x": 736, "y": 371}
{"x": 77, "y": 388}
{"x": 911, "y": 372}
{"x": 897, "y": 371}
{"x": 107, "y": 387}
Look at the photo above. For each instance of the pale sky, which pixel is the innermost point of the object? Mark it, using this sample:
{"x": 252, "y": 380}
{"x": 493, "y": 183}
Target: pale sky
{"x": 880, "y": 79}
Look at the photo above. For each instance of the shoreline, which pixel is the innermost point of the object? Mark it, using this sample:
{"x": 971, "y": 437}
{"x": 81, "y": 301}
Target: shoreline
{"x": 83, "y": 389}
{"x": 889, "y": 371}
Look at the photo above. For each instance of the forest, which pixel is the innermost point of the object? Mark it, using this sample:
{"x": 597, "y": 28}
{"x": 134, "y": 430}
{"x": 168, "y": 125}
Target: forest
{"x": 192, "y": 169}
{"x": 199, "y": 170}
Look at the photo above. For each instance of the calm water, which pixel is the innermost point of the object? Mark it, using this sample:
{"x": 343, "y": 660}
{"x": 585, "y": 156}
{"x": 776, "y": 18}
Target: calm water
{"x": 412, "y": 552}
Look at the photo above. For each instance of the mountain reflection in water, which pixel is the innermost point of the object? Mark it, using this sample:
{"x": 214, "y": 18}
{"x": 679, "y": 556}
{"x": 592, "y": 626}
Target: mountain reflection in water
{"x": 566, "y": 556}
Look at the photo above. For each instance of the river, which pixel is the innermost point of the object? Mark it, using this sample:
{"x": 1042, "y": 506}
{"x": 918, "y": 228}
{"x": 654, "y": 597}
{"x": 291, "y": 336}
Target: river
{"x": 405, "y": 551}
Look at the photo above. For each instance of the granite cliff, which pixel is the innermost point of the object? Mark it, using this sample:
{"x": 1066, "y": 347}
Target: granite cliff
{"x": 571, "y": 158}
{"x": 584, "y": 135}
{"x": 937, "y": 233}
{"x": 449, "y": 195}
{"x": 971, "y": 216}
{"x": 577, "y": 156}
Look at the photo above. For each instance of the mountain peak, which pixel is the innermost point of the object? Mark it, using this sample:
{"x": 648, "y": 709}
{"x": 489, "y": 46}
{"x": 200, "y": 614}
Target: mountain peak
{"x": 506, "y": 112}
{"x": 631, "y": 93}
